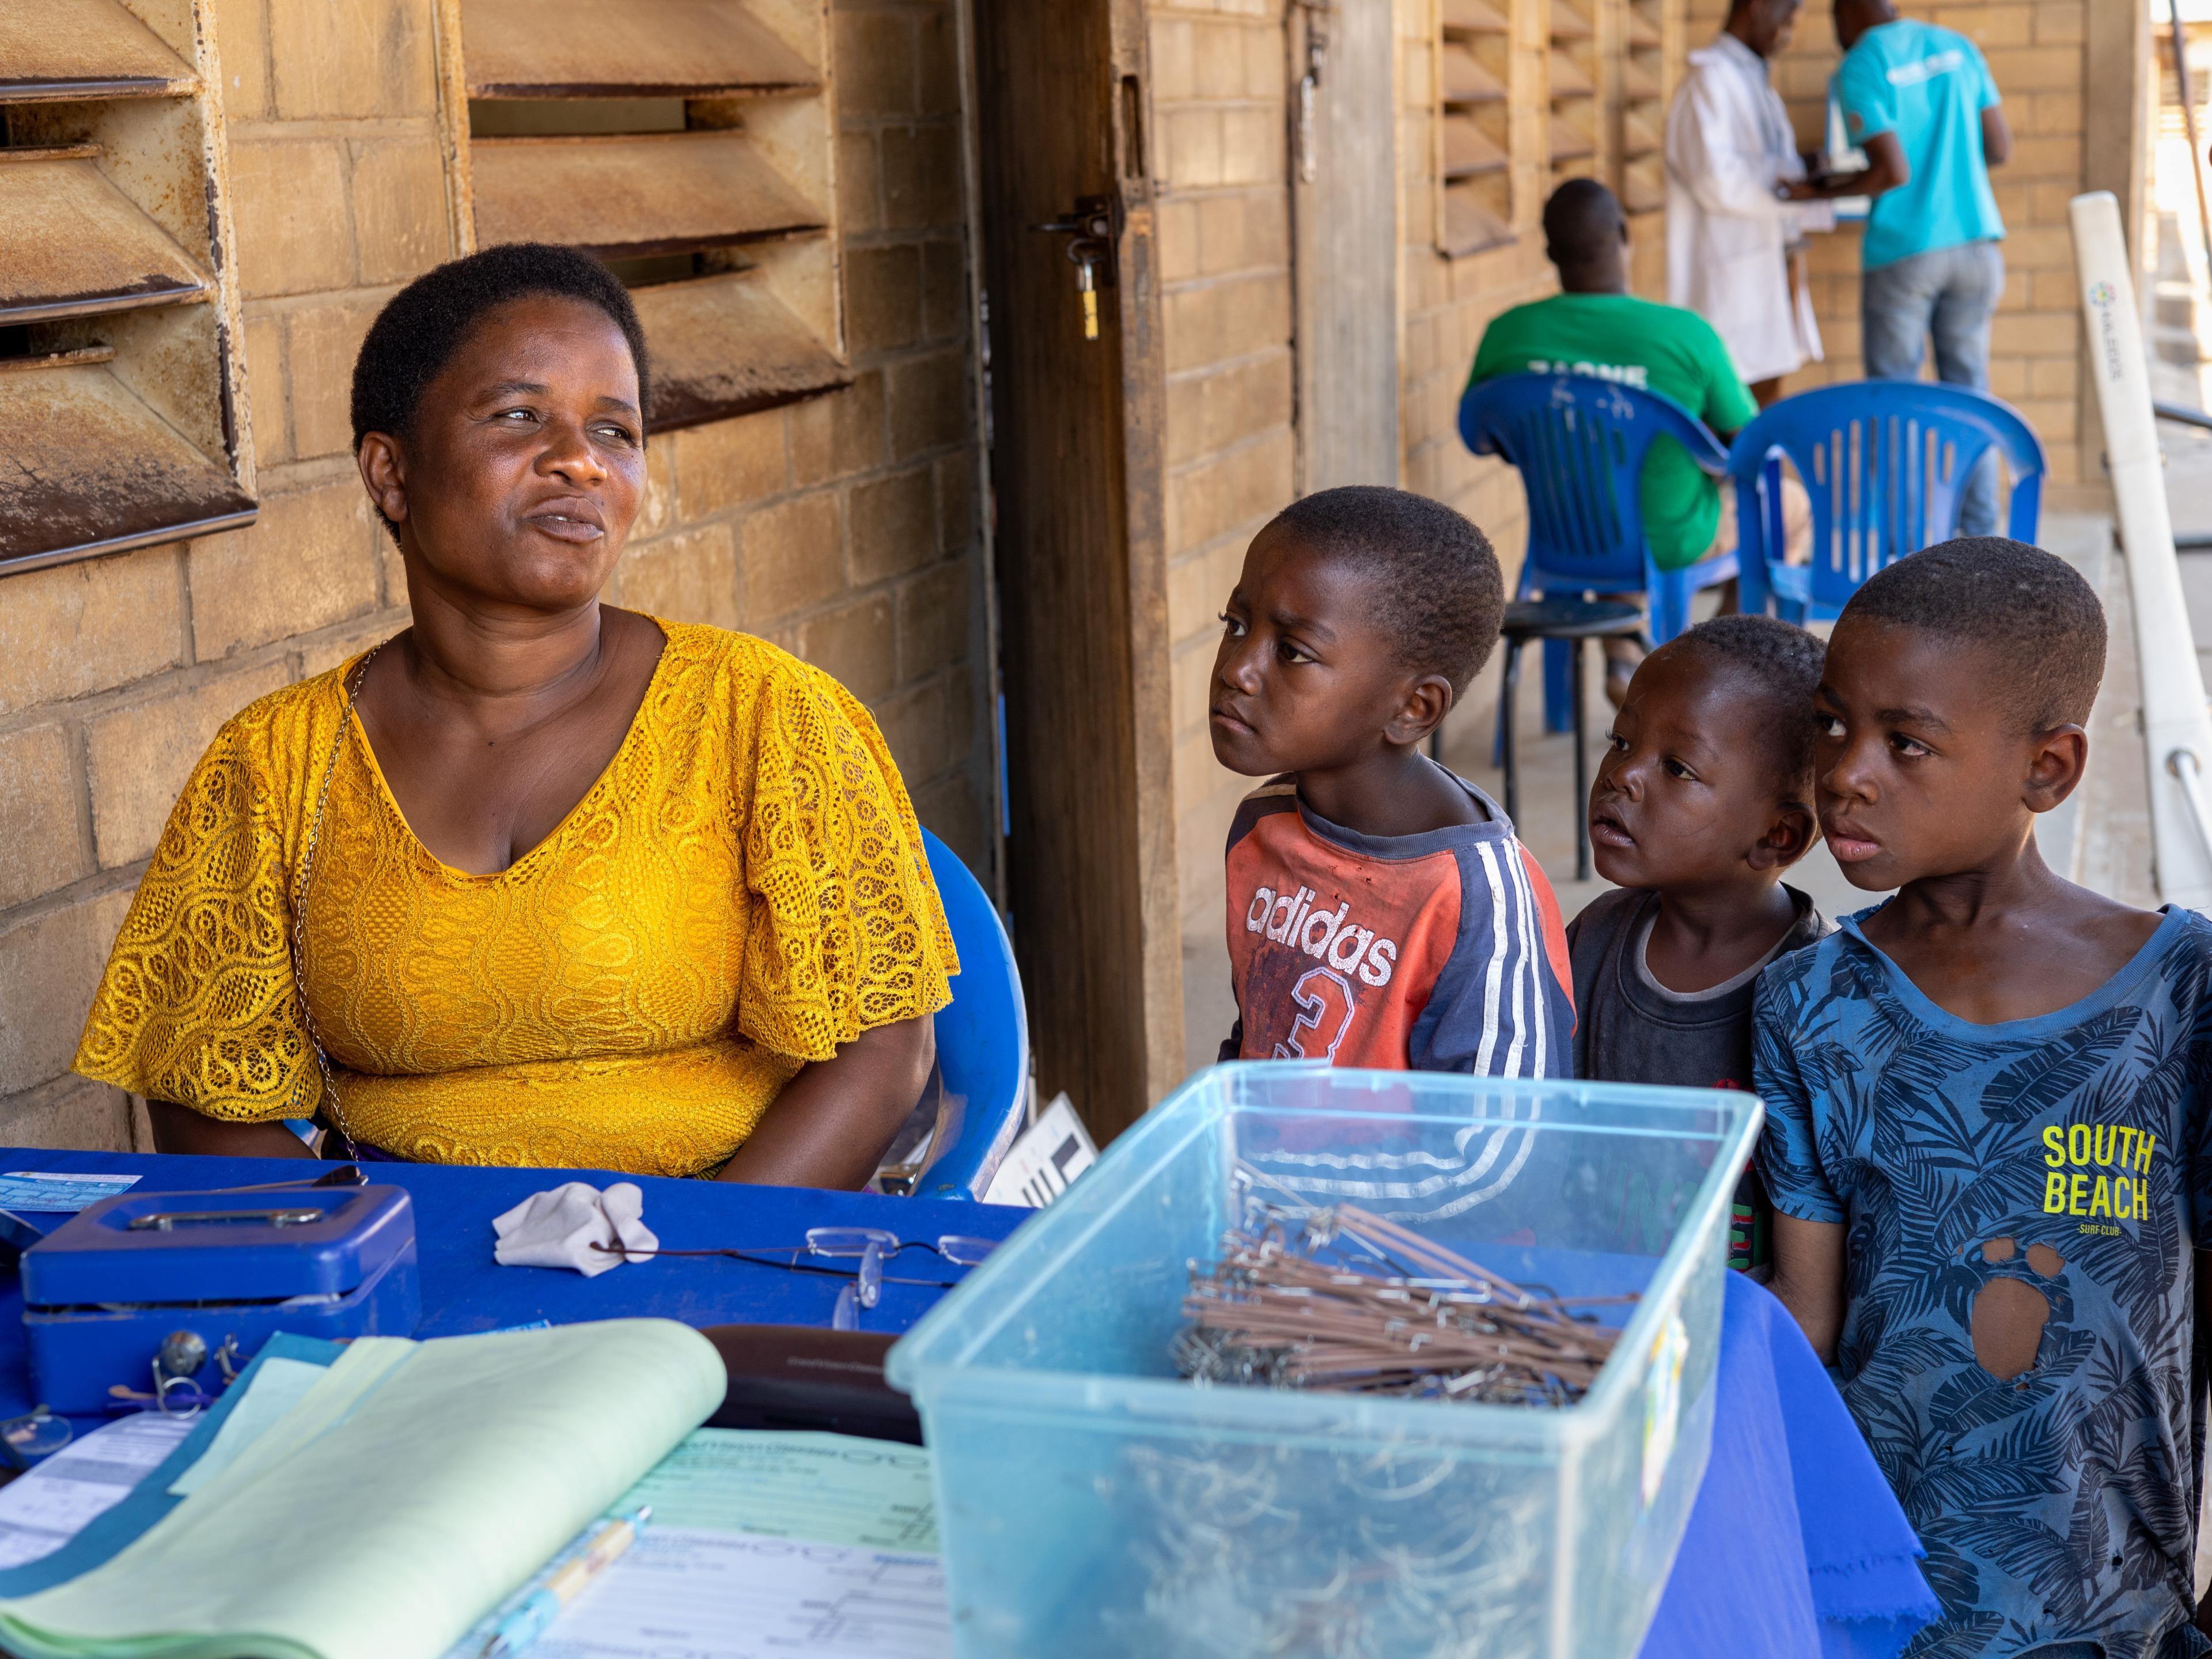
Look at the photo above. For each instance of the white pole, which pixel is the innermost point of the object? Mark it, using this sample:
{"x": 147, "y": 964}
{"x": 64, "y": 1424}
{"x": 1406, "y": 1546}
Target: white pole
{"x": 2177, "y": 729}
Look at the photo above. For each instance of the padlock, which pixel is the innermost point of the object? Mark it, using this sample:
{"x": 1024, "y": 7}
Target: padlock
{"x": 182, "y": 1354}
{"x": 1087, "y": 283}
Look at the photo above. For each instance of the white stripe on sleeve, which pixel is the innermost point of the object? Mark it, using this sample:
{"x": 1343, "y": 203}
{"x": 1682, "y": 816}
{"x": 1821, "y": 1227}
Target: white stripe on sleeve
{"x": 1490, "y": 974}
{"x": 1539, "y": 974}
{"x": 1517, "y": 921}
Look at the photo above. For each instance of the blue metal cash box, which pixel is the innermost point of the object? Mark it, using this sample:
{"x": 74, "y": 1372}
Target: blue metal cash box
{"x": 102, "y": 1290}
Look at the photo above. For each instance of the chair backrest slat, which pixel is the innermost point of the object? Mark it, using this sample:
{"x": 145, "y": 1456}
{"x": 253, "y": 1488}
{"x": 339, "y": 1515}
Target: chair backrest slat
{"x": 1886, "y": 464}
{"x": 1579, "y": 444}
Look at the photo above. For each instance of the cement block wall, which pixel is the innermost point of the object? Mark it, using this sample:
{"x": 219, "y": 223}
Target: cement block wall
{"x": 845, "y": 529}
{"x": 2036, "y": 53}
{"x": 1220, "y": 80}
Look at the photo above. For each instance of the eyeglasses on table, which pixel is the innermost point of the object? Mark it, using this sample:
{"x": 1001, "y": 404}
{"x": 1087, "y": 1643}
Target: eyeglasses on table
{"x": 871, "y": 1246}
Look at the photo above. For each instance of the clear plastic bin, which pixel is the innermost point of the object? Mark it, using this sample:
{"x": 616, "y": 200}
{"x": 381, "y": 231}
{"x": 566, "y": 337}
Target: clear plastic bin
{"x": 1093, "y": 1502}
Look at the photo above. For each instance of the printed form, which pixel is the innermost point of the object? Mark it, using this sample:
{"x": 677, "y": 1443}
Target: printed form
{"x": 765, "y": 1546}
{"x": 42, "y": 1510}
{"x": 735, "y": 1595}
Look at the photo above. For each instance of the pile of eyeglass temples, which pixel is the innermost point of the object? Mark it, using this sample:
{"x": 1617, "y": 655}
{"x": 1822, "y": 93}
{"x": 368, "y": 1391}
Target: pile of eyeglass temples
{"x": 1342, "y": 1299}
{"x": 868, "y": 1248}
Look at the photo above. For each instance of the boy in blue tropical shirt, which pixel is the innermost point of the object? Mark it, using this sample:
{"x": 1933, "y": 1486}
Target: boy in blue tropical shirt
{"x": 1987, "y": 1141}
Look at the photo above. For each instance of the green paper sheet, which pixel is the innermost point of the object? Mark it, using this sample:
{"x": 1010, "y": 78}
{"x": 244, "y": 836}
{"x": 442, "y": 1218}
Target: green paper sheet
{"x": 409, "y": 1490}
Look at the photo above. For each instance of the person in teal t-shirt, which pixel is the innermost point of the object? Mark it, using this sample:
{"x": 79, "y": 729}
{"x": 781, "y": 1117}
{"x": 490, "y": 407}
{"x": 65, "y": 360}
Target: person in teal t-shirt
{"x": 1596, "y": 327}
{"x": 1919, "y": 100}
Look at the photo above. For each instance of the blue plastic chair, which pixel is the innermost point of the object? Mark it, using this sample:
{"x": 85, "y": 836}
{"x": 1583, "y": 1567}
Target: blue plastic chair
{"x": 1884, "y": 463}
{"x": 1578, "y": 443}
{"x": 982, "y": 1038}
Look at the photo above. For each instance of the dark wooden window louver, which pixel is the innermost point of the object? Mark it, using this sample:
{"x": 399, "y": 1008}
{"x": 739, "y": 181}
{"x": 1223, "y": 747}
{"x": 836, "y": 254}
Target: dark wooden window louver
{"x": 694, "y": 150}
{"x": 119, "y": 386}
{"x": 1474, "y": 118}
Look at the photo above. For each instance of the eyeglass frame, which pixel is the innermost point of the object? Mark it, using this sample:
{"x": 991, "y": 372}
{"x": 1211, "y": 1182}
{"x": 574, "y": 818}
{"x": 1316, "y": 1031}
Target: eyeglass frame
{"x": 960, "y": 1249}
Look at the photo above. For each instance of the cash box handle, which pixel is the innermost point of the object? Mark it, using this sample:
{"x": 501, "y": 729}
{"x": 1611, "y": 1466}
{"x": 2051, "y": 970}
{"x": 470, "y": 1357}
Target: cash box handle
{"x": 169, "y": 1220}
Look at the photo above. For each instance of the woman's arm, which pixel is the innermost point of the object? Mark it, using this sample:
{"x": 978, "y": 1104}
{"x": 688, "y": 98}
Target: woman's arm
{"x": 180, "y": 1129}
{"x": 832, "y": 1124}
{"x": 1808, "y": 1278}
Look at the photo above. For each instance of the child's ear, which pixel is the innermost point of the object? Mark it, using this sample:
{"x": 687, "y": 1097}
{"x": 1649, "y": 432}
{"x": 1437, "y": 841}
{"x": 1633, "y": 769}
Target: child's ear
{"x": 1420, "y": 710}
{"x": 2055, "y": 765}
{"x": 1788, "y": 838}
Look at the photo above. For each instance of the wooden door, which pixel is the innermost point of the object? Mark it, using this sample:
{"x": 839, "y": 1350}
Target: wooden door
{"x": 1077, "y": 476}
{"x": 1345, "y": 205}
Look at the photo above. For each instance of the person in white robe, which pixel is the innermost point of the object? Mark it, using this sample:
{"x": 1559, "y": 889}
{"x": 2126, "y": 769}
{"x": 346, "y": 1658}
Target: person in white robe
{"x": 1734, "y": 246}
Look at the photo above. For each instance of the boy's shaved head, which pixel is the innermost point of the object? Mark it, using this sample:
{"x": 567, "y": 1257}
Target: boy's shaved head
{"x": 1431, "y": 576}
{"x": 1778, "y": 665}
{"x": 2027, "y": 607}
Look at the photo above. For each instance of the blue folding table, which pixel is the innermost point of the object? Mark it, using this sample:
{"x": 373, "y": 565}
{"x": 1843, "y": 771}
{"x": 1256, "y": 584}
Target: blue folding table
{"x": 1751, "y": 1577}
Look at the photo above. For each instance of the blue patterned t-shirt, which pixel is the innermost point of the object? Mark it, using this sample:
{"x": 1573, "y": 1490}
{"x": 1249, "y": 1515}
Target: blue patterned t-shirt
{"x": 2022, "y": 1202}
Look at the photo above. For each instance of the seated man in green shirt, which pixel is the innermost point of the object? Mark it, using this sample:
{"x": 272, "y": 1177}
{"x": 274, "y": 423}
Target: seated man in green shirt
{"x": 1596, "y": 327}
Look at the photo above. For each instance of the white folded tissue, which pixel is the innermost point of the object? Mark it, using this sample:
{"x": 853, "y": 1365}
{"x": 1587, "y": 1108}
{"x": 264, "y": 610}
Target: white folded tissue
{"x": 557, "y": 1228}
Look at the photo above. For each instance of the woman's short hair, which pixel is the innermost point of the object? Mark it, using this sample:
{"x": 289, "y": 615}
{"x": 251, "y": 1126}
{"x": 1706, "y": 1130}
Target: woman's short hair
{"x": 418, "y": 332}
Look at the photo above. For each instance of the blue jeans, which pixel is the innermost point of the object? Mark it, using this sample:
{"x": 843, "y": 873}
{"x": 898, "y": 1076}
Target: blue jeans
{"x": 1950, "y": 294}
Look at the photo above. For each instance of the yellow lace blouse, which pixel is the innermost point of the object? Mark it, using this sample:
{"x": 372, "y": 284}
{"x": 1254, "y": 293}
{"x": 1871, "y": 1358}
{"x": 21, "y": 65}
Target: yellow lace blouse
{"x": 740, "y": 891}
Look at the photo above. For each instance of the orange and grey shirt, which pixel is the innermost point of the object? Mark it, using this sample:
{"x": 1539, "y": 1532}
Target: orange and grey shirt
{"x": 1441, "y": 952}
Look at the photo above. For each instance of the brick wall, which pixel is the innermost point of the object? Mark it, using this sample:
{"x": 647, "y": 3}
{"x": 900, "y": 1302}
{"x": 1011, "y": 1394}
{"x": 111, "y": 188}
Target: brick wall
{"x": 1447, "y": 303}
{"x": 845, "y": 529}
{"x": 2035, "y": 53}
{"x": 1219, "y": 76}
{"x": 1219, "y": 81}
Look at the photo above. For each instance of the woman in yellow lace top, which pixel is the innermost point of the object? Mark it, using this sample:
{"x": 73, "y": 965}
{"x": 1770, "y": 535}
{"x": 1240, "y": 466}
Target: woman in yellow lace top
{"x": 540, "y": 881}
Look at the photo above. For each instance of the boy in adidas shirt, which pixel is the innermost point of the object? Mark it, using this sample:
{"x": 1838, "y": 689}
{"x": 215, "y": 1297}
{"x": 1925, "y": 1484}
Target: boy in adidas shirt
{"x": 1381, "y": 912}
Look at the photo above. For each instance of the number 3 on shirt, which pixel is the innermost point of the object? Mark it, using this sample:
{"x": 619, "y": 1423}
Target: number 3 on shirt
{"x": 1320, "y": 994}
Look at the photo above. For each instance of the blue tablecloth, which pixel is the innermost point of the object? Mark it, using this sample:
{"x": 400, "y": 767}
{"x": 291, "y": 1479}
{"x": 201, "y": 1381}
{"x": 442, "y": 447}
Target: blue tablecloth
{"x": 1795, "y": 1546}
{"x": 464, "y": 1289}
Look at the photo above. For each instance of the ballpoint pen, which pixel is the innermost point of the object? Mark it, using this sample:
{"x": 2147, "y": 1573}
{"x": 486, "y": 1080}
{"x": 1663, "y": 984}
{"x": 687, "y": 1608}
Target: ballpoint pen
{"x": 542, "y": 1606}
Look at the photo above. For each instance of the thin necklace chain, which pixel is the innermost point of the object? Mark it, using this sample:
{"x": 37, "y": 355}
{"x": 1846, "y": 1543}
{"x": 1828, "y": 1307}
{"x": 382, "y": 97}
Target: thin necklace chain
{"x": 329, "y": 1089}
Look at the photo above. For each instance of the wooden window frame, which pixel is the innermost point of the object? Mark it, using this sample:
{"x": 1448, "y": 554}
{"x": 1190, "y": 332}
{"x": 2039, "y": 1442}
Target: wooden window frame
{"x": 1646, "y": 60}
{"x": 744, "y": 187}
{"x": 1575, "y": 76}
{"x": 122, "y": 376}
{"x": 1477, "y": 200}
